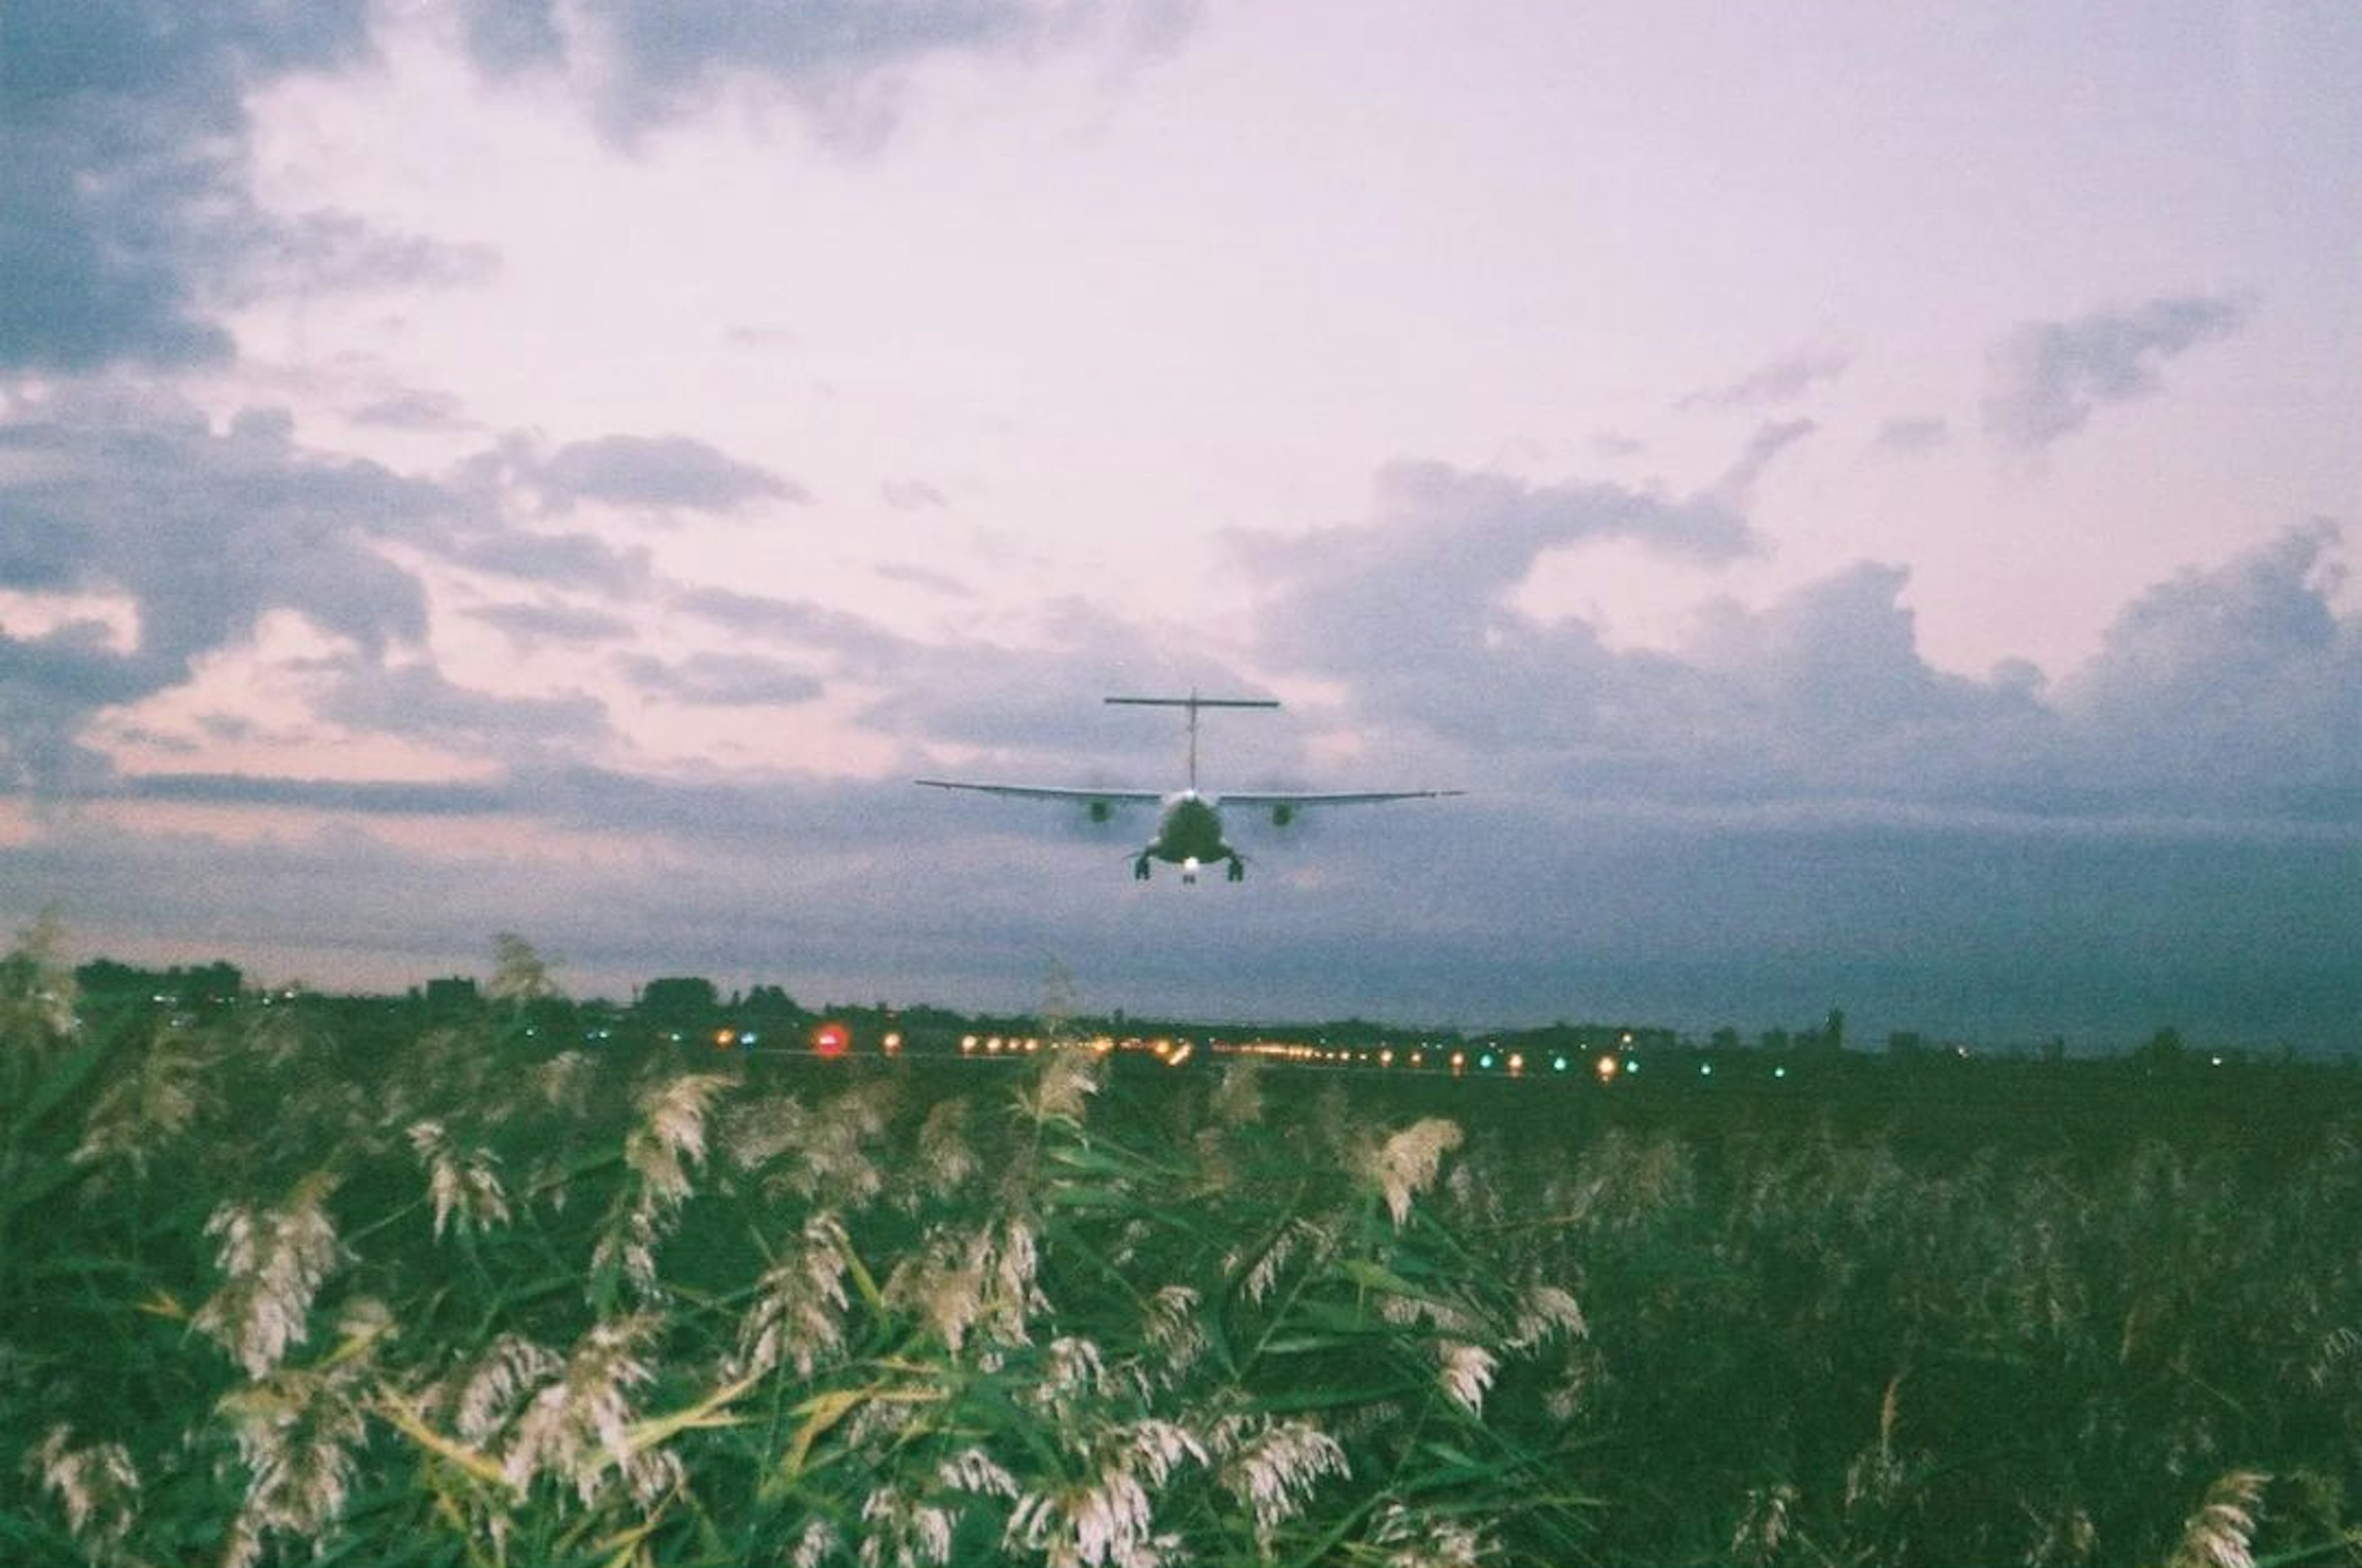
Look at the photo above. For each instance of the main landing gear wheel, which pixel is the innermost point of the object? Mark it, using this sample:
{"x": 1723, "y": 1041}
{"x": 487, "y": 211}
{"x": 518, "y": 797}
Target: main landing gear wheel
{"x": 1238, "y": 872}
{"x": 1139, "y": 869}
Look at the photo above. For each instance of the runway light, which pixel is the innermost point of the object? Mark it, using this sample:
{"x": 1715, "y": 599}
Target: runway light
{"x": 831, "y": 1040}
{"x": 892, "y": 1043}
{"x": 1606, "y": 1068}
{"x": 1779, "y": 1072}
{"x": 967, "y": 1044}
{"x": 724, "y": 1038}
{"x": 1705, "y": 1069}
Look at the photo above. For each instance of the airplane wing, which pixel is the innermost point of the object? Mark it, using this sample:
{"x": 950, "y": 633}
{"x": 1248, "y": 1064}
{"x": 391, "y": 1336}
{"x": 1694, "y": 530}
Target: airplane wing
{"x": 1051, "y": 792}
{"x": 1315, "y": 798}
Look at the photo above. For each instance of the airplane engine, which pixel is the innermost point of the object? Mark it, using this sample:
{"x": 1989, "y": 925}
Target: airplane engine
{"x": 1100, "y": 811}
{"x": 1283, "y": 814}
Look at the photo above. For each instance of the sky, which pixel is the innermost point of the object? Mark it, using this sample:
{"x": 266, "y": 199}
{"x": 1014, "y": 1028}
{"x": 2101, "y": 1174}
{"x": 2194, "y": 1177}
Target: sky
{"x": 1862, "y": 499}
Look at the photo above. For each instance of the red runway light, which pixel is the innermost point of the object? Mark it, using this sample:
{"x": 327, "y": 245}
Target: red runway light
{"x": 831, "y": 1040}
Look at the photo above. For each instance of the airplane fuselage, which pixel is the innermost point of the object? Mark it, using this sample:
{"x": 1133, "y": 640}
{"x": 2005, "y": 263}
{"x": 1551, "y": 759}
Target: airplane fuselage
{"x": 1189, "y": 834}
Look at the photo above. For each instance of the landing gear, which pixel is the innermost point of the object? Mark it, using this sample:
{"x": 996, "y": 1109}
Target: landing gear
{"x": 1139, "y": 869}
{"x": 1237, "y": 871}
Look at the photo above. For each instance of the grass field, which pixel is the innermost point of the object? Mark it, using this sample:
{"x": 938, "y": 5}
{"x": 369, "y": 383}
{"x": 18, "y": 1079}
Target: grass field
{"x": 460, "y": 1296}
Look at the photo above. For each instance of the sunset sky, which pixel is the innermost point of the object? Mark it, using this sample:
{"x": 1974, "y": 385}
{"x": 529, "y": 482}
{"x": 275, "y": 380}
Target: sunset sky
{"x": 1861, "y": 497}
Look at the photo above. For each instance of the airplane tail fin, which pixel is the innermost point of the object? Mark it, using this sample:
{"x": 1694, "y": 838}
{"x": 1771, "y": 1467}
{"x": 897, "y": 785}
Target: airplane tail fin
{"x": 1193, "y": 703}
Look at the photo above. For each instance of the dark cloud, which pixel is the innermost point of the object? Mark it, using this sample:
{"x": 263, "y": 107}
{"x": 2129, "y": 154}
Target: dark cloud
{"x": 2236, "y": 684}
{"x": 656, "y": 472}
{"x": 506, "y": 37}
{"x": 2231, "y": 695}
{"x": 553, "y": 560}
{"x": 1795, "y": 812}
{"x": 1525, "y": 910}
{"x": 1778, "y": 380}
{"x": 2050, "y": 377}
{"x": 206, "y": 533}
{"x": 129, "y": 224}
{"x": 545, "y": 623}
{"x": 665, "y": 58}
{"x": 647, "y": 62}
{"x": 724, "y": 680}
{"x": 348, "y": 797}
{"x": 418, "y": 701}
{"x": 1413, "y": 603}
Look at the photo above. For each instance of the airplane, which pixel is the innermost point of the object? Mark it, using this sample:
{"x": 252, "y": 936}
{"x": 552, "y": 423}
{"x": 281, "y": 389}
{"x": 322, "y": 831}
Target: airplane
{"x": 1189, "y": 833}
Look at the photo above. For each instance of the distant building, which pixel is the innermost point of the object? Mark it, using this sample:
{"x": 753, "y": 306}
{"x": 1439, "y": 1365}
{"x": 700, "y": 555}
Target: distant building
{"x": 202, "y": 985}
{"x": 454, "y": 993}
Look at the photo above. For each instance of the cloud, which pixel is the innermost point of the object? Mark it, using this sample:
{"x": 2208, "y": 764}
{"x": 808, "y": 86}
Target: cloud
{"x": 859, "y": 645}
{"x": 1777, "y": 381}
{"x": 1413, "y": 603}
{"x": 912, "y": 495}
{"x": 551, "y": 560}
{"x": 2048, "y": 378}
{"x": 656, "y": 471}
{"x": 925, "y": 576}
{"x": 349, "y": 797}
{"x": 130, "y": 225}
{"x": 648, "y": 63}
{"x": 1913, "y": 434}
{"x": 545, "y": 622}
{"x": 206, "y": 533}
{"x": 413, "y": 409}
{"x": 2240, "y": 682}
{"x": 418, "y": 701}
{"x": 724, "y": 680}
{"x": 1738, "y": 486}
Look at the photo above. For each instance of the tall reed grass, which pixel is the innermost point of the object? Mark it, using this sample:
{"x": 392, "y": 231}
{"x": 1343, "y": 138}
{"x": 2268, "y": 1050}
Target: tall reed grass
{"x": 485, "y": 1297}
